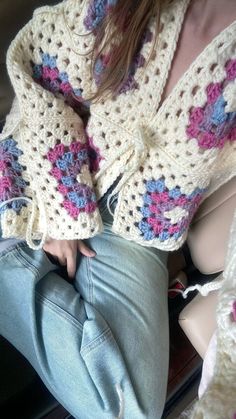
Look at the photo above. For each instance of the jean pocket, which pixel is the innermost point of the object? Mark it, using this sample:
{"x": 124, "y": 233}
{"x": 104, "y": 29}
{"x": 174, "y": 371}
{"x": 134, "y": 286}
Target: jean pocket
{"x": 37, "y": 260}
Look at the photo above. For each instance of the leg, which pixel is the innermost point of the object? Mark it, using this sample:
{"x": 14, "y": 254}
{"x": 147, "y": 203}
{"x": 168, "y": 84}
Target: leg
{"x": 95, "y": 367}
{"x": 127, "y": 284}
{"x": 45, "y": 318}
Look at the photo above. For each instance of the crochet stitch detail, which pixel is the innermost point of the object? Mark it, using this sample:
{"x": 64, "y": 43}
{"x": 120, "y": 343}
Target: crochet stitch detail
{"x": 67, "y": 164}
{"x": 159, "y": 201}
{"x": 96, "y": 12}
{"x": 51, "y": 78}
{"x": 12, "y": 184}
{"x": 94, "y": 156}
{"x": 138, "y": 62}
{"x": 49, "y": 65}
{"x": 212, "y": 125}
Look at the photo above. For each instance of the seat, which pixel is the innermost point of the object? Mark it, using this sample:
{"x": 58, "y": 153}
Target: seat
{"x": 207, "y": 241}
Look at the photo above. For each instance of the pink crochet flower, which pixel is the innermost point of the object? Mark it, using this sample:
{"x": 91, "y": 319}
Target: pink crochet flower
{"x": 231, "y": 69}
{"x": 232, "y": 135}
{"x": 212, "y": 125}
{"x": 66, "y": 87}
{"x": 196, "y": 115}
{"x": 214, "y": 90}
{"x": 55, "y": 153}
{"x": 192, "y": 130}
{"x": 155, "y": 197}
{"x": 173, "y": 229}
{"x": 160, "y": 197}
{"x": 76, "y": 146}
{"x": 3, "y": 165}
{"x": 181, "y": 201}
{"x": 153, "y": 221}
{"x": 154, "y": 209}
{"x": 234, "y": 312}
{"x": 72, "y": 209}
{"x": 90, "y": 207}
{"x": 222, "y": 141}
{"x": 157, "y": 229}
{"x": 57, "y": 173}
{"x": 197, "y": 200}
{"x": 52, "y": 156}
{"x": 156, "y": 225}
{"x": 63, "y": 189}
{"x": 5, "y": 183}
{"x": 207, "y": 140}
{"x": 50, "y": 73}
{"x": 164, "y": 196}
{"x": 59, "y": 150}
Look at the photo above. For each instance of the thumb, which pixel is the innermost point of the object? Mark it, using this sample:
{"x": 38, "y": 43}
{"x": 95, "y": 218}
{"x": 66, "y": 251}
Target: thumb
{"x": 85, "y": 249}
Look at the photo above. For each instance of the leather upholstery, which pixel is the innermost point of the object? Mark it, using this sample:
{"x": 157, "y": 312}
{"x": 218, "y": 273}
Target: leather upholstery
{"x": 208, "y": 236}
{"x": 198, "y": 321}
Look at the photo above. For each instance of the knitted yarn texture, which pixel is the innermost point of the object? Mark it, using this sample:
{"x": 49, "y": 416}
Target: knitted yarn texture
{"x": 59, "y": 153}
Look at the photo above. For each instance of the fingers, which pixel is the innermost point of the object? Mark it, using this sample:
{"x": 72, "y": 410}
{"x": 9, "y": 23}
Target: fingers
{"x": 71, "y": 265}
{"x": 65, "y": 252}
{"x": 85, "y": 249}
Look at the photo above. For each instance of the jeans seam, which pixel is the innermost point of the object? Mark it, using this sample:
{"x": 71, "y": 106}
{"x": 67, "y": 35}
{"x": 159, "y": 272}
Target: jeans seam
{"x": 90, "y": 281}
{"x": 96, "y": 342}
{"x": 26, "y": 263}
{"x": 58, "y": 310}
{"x": 12, "y": 248}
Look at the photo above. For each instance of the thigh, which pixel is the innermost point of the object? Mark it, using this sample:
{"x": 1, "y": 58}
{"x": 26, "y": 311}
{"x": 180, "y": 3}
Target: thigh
{"x": 21, "y": 269}
{"x": 127, "y": 284}
{"x": 65, "y": 338}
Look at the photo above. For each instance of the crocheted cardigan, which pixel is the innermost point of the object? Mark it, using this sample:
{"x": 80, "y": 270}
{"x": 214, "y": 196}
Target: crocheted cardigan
{"x": 56, "y": 164}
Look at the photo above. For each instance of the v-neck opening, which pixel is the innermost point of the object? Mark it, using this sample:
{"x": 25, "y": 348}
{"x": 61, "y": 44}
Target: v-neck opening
{"x": 162, "y": 104}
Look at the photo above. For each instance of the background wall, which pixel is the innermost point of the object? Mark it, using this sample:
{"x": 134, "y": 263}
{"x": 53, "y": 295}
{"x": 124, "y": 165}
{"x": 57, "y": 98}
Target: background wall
{"x": 13, "y": 16}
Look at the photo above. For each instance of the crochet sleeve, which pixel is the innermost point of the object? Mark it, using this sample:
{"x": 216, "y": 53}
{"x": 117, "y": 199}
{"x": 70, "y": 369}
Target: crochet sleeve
{"x": 56, "y": 197}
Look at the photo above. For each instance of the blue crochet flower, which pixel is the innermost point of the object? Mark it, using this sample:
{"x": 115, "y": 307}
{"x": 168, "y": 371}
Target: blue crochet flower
{"x": 164, "y": 235}
{"x": 147, "y": 199}
{"x": 49, "y": 61}
{"x": 149, "y": 235}
{"x": 67, "y": 180}
{"x": 155, "y": 185}
{"x": 175, "y": 193}
{"x": 65, "y": 162}
{"x": 37, "y": 71}
{"x": 145, "y": 211}
{"x": 77, "y": 92}
{"x": 64, "y": 77}
{"x": 12, "y": 172}
{"x": 219, "y": 116}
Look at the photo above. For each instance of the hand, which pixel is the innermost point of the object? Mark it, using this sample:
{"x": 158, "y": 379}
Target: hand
{"x": 65, "y": 251}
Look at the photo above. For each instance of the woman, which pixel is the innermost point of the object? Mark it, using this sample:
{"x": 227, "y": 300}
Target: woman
{"x": 120, "y": 156}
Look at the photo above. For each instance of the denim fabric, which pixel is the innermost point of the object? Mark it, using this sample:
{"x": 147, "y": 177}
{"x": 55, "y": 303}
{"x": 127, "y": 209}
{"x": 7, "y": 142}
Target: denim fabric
{"x": 100, "y": 343}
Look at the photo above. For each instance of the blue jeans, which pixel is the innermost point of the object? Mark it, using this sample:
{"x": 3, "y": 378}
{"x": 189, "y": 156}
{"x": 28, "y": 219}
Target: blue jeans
{"x": 99, "y": 344}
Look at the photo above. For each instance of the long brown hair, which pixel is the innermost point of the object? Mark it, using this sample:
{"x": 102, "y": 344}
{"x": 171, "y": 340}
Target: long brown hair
{"x": 120, "y": 33}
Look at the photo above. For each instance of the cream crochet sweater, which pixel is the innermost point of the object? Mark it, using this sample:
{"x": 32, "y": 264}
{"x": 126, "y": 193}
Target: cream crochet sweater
{"x": 55, "y": 165}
